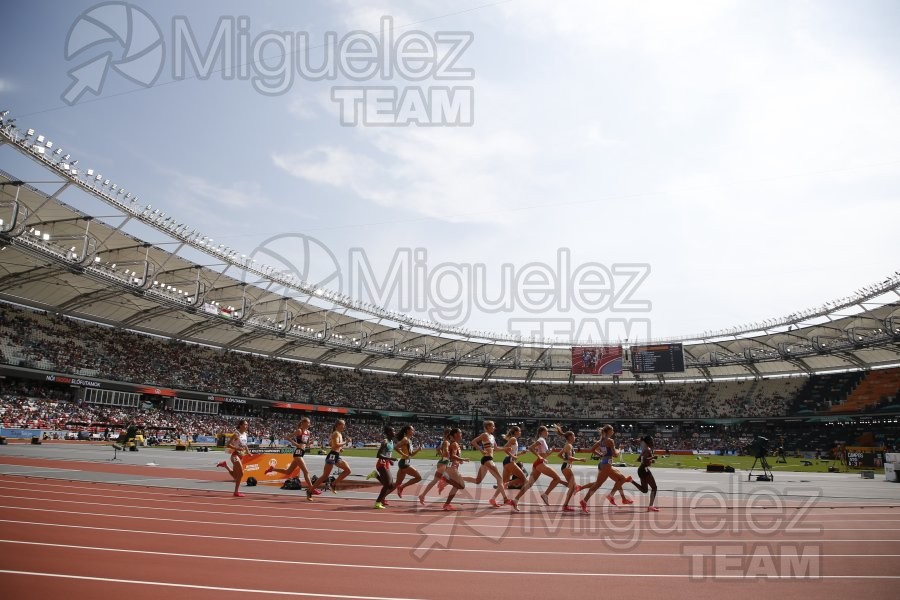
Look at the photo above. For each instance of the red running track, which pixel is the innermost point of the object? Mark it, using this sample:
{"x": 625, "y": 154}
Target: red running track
{"x": 58, "y": 536}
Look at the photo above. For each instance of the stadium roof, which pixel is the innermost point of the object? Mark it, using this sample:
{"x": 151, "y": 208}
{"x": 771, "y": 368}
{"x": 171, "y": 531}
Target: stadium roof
{"x": 57, "y": 258}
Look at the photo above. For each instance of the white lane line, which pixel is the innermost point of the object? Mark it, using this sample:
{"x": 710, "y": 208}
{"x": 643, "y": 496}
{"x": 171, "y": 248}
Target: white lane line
{"x": 281, "y": 499}
{"x": 42, "y": 470}
{"x": 425, "y": 531}
{"x": 243, "y": 591}
{"x": 301, "y": 563}
{"x": 385, "y": 547}
{"x": 331, "y": 503}
{"x": 514, "y": 520}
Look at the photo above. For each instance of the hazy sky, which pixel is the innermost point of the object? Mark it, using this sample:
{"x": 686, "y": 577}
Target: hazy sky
{"x": 748, "y": 153}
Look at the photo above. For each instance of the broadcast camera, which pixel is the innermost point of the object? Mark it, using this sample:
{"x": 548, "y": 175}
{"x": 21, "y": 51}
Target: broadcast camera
{"x": 760, "y": 447}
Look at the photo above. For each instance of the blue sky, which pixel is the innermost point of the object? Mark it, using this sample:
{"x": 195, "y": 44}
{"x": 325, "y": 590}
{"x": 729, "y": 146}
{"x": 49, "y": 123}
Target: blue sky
{"x": 746, "y": 151}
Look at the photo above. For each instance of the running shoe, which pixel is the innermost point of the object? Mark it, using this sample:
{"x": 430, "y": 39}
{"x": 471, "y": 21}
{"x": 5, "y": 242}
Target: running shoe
{"x": 269, "y": 470}
{"x": 399, "y": 491}
{"x": 568, "y": 508}
{"x": 545, "y": 498}
{"x": 493, "y": 503}
{"x": 372, "y": 475}
{"x": 652, "y": 509}
{"x": 239, "y": 494}
{"x": 628, "y": 479}
{"x": 449, "y": 506}
{"x": 515, "y": 505}
{"x": 422, "y": 500}
{"x": 442, "y": 483}
{"x": 584, "y": 507}
{"x": 379, "y": 506}
{"x": 578, "y": 488}
{"x": 222, "y": 465}
{"x": 317, "y": 492}
{"x": 612, "y": 499}
{"x": 627, "y": 501}
{"x": 386, "y": 503}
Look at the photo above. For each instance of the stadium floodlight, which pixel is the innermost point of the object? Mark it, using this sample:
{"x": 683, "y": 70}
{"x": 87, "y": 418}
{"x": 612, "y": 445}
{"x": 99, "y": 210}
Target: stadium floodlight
{"x": 90, "y": 172}
{"x": 106, "y": 182}
{"x": 49, "y": 144}
{"x": 96, "y": 259}
{"x": 46, "y": 237}
{"x": 40, "y": 139}
{"x": 29, "y": 133}
{"x": 37, "y": 233}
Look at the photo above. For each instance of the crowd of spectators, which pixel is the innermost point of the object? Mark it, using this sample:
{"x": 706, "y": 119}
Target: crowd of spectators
{"x": 51, "y": 407}
{"x": 64, "y": 345}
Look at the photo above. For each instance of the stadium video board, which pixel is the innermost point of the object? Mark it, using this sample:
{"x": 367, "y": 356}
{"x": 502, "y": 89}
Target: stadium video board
{"x": 659, "y": 358}
{"x": 597, "y": 360}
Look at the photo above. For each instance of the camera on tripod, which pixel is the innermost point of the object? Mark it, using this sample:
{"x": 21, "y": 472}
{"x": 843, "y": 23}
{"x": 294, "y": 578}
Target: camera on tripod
{"x": 760, "y": 447}
{"x": 760, "y": 450}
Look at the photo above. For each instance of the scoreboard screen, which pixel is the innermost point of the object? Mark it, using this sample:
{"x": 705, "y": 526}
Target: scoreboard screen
{"x": 596, "y": 360}
{"x": 659, "y": 358}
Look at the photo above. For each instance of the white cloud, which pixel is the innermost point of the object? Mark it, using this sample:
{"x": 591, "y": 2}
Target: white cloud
{"x": 238, "y": 195}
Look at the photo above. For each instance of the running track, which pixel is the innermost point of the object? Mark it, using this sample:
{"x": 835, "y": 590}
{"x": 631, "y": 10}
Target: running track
{"x": 138, "y": 542}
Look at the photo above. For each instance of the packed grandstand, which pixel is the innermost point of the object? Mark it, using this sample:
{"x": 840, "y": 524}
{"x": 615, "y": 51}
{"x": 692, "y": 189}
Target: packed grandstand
{"x": 99, "y": 328}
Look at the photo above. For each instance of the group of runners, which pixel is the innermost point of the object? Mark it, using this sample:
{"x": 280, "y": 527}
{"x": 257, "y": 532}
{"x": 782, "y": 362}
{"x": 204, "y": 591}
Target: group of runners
{"x": 509, "y": 477}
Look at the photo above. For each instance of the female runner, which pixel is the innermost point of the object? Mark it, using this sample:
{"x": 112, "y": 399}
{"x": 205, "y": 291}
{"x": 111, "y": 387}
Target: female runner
{"x": 511, "y": 469}
{"x": 606, "y": 447}
{"x": 238, "y": 446}
{"x": 443, "y": 453}
{"x": 541, "y": 450}
{"x": 452, "y": 472}
{"x": 485, "y": 443}
{"x": 385, "y": 458}
{"x": 404, "y": 449}
{"x": 300, "y": 443}
{"x": 567, "y": 454}
{"x": 648, "y": 482}
{"x": 337, "y": 443}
